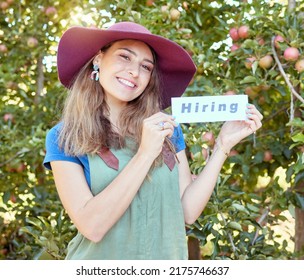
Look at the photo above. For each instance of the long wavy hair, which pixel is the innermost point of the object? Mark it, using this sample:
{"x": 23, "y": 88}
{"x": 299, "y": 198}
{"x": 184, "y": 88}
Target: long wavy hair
{"x": 85, "y": 120}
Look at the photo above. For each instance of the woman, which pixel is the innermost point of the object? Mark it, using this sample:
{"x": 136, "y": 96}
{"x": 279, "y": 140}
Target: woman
{"x": 118, "y": 161}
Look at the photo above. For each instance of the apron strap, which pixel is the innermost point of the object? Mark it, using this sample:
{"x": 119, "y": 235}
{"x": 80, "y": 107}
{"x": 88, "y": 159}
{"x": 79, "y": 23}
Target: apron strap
{"x": 109, "y": 158}
{"x": 112, "y": 161}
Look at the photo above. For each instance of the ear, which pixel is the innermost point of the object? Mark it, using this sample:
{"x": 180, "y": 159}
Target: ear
{"x": 98, "y": 58}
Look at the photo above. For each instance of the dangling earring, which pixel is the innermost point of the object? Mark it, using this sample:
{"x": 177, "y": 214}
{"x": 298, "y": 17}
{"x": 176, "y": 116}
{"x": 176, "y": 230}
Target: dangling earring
{"x": 95, "y": 72}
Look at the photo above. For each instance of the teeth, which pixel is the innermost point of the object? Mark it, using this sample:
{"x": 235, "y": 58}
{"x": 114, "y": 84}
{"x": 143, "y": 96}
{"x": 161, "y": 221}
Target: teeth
{"x": 127, "y": 83}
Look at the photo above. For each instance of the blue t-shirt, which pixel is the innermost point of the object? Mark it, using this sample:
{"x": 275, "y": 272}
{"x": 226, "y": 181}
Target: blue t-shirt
{"x": 54, "y": 153}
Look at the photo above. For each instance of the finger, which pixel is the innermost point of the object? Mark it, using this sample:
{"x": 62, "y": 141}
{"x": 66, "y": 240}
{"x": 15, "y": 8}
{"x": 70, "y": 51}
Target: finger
{"x": 254, "y": 123}
{"x": 169, "y": 128}
{"x": 168, "y": 125}
{"x": 162, "y": 117}
{"x": 166, "y": 133}
{"x": 253, "y": 110}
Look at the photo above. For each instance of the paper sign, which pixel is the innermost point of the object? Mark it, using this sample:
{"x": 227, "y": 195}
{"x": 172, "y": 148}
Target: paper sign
{"x": 209, "y": 108}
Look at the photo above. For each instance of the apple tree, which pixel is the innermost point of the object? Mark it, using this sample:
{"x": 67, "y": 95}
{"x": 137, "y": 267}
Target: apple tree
{"x": 239, "y": 47}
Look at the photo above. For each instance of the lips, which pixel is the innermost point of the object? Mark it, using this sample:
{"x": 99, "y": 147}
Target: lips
{"x": 126, "y": 82}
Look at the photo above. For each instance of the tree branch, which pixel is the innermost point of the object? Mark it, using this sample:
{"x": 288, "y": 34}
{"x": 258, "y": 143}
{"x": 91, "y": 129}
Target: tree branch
{"x": 290, "y": 86}
{"x": 40, "y": 80}
{"x": 284, "y": 74}
{"x": 291, "y": 5}
{"x": 260, "y": 222}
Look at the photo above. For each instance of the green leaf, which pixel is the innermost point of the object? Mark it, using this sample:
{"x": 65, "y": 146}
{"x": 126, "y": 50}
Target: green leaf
{"x": 253, "y": 208}
{"x": 36, "y": 222}
{"x": 240, "y": 208}
{"x": 234, "y": 225}
{"x": 250, "y": 44}
{"x": 300, "y": 200}
{"x": 298, "y": 137}
{"x": 293, "y": 33}
{"x": 254, "y": 66}
{"x": 198, "y": 19}
{"x": 248, "y": 80}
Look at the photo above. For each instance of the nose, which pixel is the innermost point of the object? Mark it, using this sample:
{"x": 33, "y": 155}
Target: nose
{"x": 133, "y": 70}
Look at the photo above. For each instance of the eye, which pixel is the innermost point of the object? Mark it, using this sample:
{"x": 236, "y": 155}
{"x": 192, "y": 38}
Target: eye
{"x": 147, "y": 68}
{"x": 124, "y": 56}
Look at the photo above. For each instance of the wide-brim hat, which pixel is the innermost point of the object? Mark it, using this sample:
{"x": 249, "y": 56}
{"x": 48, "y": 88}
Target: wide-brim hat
{"x": 79, "y": 44}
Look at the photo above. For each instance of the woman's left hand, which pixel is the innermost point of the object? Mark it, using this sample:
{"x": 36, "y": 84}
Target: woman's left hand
{"x": 233, "y": 132}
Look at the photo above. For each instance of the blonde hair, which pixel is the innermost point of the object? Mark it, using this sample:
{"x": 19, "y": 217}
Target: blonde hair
{"x": 85, "y": 124}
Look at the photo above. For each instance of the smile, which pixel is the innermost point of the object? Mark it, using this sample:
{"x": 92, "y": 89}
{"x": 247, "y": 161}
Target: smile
{"x": 127, "y": 83}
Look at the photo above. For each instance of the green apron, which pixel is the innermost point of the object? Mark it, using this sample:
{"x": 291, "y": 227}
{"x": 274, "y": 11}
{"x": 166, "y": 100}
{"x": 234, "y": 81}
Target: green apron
{"x": 151, "y": 228}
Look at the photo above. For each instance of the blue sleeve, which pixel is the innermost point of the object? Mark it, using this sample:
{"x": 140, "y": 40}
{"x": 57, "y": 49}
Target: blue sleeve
{"x": 53, "y": 151}
{"x": 178, "y": 140}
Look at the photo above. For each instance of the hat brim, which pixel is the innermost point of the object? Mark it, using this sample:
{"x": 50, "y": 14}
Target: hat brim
{"x": 79, "y": 44}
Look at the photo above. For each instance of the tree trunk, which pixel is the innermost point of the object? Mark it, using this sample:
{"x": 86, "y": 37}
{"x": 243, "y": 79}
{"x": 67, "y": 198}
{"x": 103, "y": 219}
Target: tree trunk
{"x": 291, "y": 5}
{"x": 299, "y": 223}
{"x": 299, "y": 213}
{"x": 194, "y": 251}
{"x": 299, "y": 232}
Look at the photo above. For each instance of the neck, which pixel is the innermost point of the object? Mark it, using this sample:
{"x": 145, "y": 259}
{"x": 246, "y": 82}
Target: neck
{"x": 114, "y": 114}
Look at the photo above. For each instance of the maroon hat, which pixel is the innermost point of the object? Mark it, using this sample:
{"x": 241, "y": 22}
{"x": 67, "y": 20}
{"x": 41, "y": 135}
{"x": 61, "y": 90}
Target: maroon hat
{"x": 79, "y": 44}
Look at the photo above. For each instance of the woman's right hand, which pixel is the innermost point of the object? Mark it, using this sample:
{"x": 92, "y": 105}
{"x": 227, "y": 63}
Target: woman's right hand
{"x": 154, "y": 131}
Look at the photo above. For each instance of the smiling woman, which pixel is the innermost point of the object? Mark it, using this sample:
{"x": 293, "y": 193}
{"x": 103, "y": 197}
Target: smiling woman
{"x": 128, "y": 65}
{"x": 118, "y": 160}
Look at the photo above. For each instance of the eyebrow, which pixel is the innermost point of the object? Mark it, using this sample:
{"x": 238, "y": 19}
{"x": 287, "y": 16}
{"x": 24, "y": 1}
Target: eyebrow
{"x": 134, "y": 53}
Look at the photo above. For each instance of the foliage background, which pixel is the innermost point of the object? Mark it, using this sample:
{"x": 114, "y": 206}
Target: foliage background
{"x": 256, "y": 211}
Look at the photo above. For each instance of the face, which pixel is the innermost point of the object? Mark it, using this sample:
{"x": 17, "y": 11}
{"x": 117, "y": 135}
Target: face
{"x": 125, "y": 70}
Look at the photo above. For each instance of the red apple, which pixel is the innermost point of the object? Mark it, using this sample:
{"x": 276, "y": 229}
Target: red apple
{"x": 3, "y": 48}
{"x": 205, "y": 153}
{"x": 149, "y": 3}
{"x": 261, "y": 41}
{"x": 13, "y": 198}
{"x": 262, "y": 100}
{"x": 164, "y": 8}
{"x": 4, "y": 5}
{"x": 233, "y": 32}
{"x": 291, "y": 54}
{"x": 249, "y": 61}
{"x": 233, "y": 153}
{"x": 265, "y": 87}
{"x": 243, "y": 32}
{"x": 11, "y": 85}
{"x": 252, "y": 92}
{"x": 8, "y": 117}
{"x": 50, "y": 11}
{"x": 208, "y": 137}
{"x": 266, "y": 61}
{"x": 32, "y": 42}
{"x": 276, "y": 211}
{"x": 278, "y": 39}
{"x": 20, "y": 168}
{"x": 267, "y": 155}
{"x": 174, "y": 14}
{"x": 3, "y": 252}
{"x": 229, "y": 92}
{"x": 234, "y": 47}
{"x": 299, "y": 66}
{"x": 185, "y": 5}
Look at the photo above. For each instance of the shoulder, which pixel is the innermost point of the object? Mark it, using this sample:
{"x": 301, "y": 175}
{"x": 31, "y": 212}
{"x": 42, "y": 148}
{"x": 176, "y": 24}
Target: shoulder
{"x": 54, "y": 152}
{"x": 53, "y": 133}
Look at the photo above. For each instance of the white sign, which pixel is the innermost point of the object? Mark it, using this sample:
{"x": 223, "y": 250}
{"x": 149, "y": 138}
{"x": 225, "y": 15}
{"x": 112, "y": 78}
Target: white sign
{"x": 209, "y": 108}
